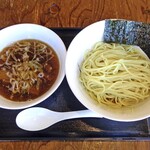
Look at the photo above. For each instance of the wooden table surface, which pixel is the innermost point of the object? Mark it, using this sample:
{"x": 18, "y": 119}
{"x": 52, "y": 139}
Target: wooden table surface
{"x": 72, "y": 13}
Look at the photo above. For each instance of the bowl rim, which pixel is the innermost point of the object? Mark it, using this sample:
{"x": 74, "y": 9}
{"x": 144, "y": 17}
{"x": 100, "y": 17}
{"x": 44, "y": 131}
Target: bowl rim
{"x": 32, "y": 27}
{"x": 77, "y": 91}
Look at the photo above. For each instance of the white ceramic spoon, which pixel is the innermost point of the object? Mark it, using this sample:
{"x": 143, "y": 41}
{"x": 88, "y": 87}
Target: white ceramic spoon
{"x": 37, "y": 118}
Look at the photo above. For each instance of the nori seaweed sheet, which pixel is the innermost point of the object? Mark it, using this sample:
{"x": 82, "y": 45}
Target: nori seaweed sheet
{"x": 128, "y": 32}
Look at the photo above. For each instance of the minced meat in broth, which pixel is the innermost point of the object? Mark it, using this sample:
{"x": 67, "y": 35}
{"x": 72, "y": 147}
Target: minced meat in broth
{"x": 28, "y": 68}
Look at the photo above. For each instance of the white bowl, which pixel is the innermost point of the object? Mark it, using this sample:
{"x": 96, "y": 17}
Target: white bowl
{"x": 17, "y": 32}
{"x": 78, "y": 47}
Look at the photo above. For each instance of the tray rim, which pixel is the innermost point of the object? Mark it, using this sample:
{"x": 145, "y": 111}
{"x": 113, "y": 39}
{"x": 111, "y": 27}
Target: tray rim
{"x": 73, "y": 138}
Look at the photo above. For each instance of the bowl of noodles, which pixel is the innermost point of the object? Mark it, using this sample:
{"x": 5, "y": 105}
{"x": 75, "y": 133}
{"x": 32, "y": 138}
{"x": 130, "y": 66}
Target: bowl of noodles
{"x": 109, "y": 78}
{"x": 32, "y": 62}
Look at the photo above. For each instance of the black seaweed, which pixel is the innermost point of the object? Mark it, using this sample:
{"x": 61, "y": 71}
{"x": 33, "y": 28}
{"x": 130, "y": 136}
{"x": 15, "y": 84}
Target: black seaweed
{"x": 128, "y": 32}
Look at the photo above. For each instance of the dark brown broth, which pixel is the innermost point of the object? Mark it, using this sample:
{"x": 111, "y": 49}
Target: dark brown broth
{"x": 47, "y": 81}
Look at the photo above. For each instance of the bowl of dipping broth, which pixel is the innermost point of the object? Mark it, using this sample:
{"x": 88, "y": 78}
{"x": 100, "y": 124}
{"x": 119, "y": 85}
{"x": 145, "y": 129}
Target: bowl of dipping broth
{"x": 32, "y": 62}
{"x": 110, "y": 79}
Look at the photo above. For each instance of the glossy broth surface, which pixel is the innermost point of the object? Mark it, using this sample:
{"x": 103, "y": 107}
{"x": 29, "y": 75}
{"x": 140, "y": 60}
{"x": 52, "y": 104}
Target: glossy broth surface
{"x": 28, "y": 68}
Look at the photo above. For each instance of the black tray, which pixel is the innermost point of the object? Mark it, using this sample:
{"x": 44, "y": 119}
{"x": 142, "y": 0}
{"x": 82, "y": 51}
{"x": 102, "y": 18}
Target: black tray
{"x": 75, "y": 129}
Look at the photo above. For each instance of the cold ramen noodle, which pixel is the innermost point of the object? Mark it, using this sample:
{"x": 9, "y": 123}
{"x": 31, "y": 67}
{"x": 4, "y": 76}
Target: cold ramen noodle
{"x": 116, "y": 75}
{"x": 28, "y": 68}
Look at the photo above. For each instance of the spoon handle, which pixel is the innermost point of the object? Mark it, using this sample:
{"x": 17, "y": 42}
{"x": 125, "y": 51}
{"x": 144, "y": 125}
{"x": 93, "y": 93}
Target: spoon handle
{"x": 80, "y": 114}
